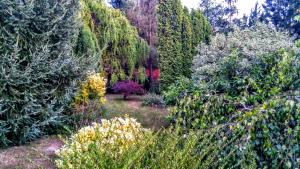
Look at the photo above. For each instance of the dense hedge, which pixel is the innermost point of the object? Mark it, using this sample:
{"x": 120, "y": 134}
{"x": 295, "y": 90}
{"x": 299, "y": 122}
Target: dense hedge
{"x": 38, "y": 71}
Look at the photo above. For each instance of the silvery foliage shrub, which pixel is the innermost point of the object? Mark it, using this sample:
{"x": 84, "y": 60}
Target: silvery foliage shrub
{"x": 249, "y": 43}
{"x": 39, "y": 72}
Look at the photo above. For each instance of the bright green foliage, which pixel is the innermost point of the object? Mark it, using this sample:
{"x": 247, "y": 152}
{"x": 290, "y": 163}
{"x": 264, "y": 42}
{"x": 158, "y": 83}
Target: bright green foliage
{"x": 258, "y": 116}
{"x": 201, "y": 29}
{"x": 229, "y": 91}
{"x": 187, "y": 39}
{"x": 38, "y": 71}
{"x": 178, "y": 91}
{"x": 108, "y": 34}
{"x": 169, "y": 41}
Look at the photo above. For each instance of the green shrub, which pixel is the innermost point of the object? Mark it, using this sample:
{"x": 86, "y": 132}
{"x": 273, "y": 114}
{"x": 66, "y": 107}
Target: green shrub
{"x": 178, "y": 90}
{"x": 153, "y": 100}
{"x": 253, "y": 110}
{"x": 216, "y": 102}
{"x": 38, "y": 71}
{"x": 250, "y": 43}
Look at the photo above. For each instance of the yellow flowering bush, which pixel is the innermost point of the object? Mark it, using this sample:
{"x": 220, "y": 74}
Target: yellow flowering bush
{"x": 93, "y": 87}
{"x": 110, "y": 138}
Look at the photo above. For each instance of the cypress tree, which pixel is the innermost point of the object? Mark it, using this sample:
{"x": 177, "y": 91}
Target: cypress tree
{"x": 187, "y": 48}
{"x": 165, "y": 43}
{"x": 169, "y": 41}
{"x": 201, "y": 29}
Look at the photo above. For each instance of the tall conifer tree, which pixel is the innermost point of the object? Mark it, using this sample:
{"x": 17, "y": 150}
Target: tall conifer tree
{"x": 201, "y": 28}
{"x": 169, "y": 41}
{"x": 187, "y": 43}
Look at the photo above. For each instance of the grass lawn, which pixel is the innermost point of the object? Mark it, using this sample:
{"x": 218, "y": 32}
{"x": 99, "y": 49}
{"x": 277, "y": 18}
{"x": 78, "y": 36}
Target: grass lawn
{"x": 41, "y": 153}
{"x": 149, "y": 117}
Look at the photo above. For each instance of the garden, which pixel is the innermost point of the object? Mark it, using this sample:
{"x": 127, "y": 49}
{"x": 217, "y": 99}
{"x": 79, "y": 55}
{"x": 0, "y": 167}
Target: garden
{"x": 90, "y": 84}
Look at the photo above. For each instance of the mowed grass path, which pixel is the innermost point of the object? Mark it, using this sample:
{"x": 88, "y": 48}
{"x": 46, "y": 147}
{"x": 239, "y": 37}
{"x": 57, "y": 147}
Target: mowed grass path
{"x": 40, "y": 154}
{"x": 149, "y": 117}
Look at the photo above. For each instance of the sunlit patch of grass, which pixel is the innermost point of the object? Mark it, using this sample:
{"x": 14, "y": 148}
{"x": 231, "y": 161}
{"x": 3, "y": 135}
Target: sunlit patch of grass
{"x": 149, "y": 117}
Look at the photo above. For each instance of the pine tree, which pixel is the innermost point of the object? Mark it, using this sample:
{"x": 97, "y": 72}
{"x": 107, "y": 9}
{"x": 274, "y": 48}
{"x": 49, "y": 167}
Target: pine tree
{"x": 187, "y": 43}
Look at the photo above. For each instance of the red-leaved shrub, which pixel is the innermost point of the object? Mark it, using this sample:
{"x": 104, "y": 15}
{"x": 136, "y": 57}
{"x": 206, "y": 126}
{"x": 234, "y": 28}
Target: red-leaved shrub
{"x": 127, "y": 88}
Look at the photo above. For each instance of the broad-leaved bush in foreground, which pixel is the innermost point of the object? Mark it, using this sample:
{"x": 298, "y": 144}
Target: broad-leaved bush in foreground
{"x": 109, "y": 139}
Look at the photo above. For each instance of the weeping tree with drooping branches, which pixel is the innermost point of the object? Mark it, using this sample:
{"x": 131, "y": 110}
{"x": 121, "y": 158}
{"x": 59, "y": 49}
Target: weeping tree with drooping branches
{"x": 108, "y": 34}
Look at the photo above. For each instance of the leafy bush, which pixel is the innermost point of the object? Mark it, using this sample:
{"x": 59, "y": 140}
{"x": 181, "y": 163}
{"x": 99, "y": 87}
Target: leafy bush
{"x": 178, "y": 90}
{"x": 92, "y": 88}
{"x": 38, "y": 71}
{"x": 251, "y": 43}
{"x": 127, "y": 88}
{"x": 271, "y": 75}
{"x": 251, "y": 107}
{"x": 266, "y": 136}
{"x": 154, "y": 100}
{"x": 93, "y": 145}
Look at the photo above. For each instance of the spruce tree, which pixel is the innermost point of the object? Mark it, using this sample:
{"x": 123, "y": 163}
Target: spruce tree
{"x": 39, "y": 72}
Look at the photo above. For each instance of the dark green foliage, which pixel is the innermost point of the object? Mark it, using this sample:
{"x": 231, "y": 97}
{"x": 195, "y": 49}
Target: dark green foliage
{"x": 187, "y": 43}
{"x": 178, "y": 91}
{"x": 38, "y": 71}
{"x": 179, "y": 32}
{"x": 281, "y": 14}
{"x": 201, "y": 29}
{"x": 169, "y": 41}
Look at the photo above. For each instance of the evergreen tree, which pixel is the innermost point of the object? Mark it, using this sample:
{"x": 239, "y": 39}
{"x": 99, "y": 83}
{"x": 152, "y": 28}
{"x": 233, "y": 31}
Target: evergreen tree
{"x": 219, "y": 15}
{"x": 169, "y": 41}
{"x": 201, "y": 29}
{"x": 39, "y": 73}
{"x": 281, "y": 14}
{"x": 254, "y": 15}
{"x": 187, "y": 43}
